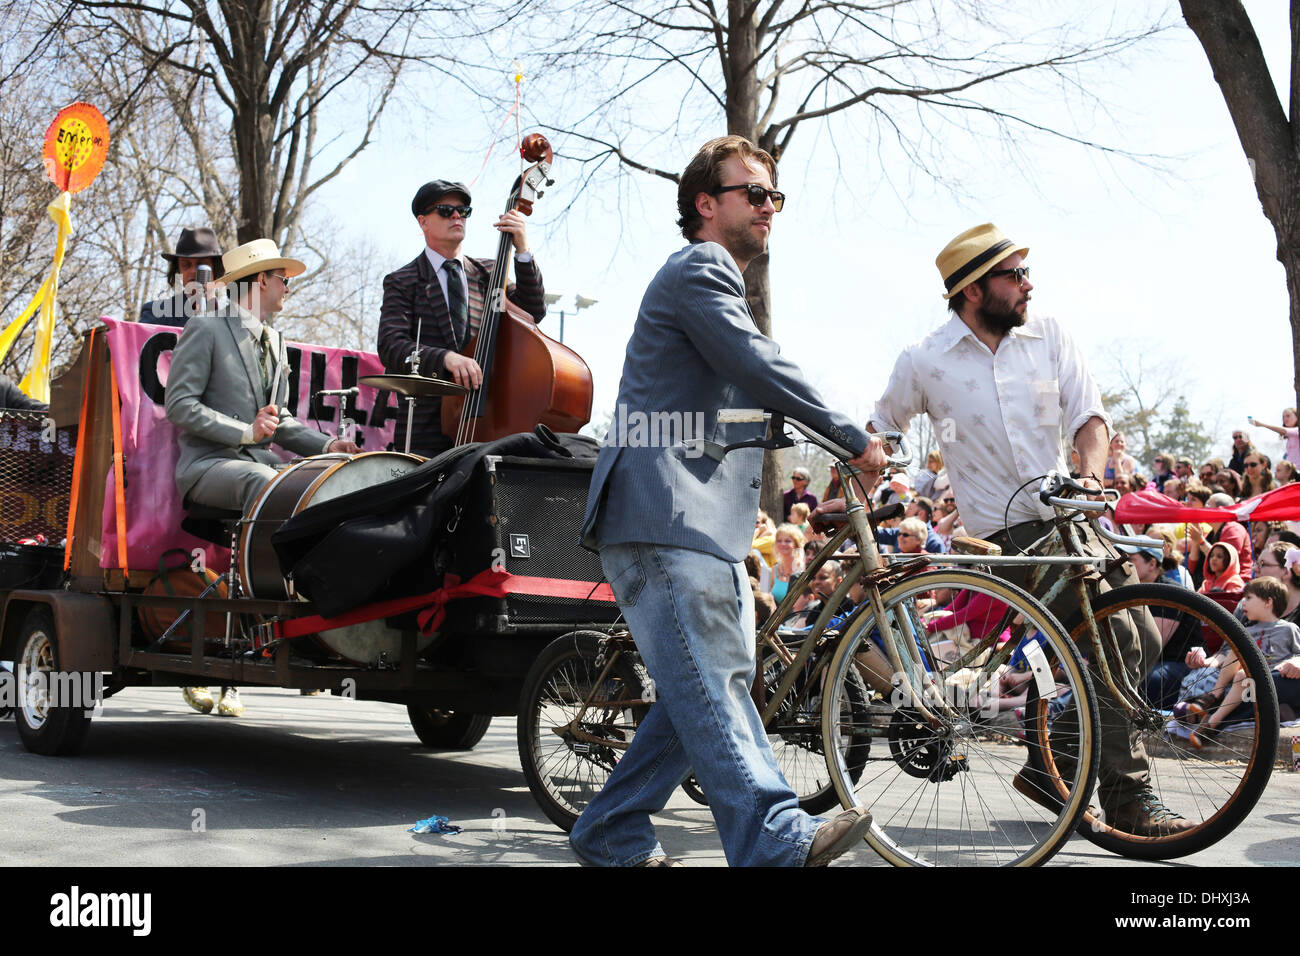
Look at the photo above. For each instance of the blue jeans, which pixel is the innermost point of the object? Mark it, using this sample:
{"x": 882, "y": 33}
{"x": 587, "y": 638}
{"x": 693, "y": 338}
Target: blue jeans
{"x": 1161, "y": 684}
{"x": 692, "y": 616}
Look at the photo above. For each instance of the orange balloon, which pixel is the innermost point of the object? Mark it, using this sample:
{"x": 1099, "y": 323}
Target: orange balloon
{"x": 76, "y": 145}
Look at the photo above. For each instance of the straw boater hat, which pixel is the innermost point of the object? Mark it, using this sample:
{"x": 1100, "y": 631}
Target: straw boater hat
{"x": 260, "y": 255}
{"x": 972, "y": 254}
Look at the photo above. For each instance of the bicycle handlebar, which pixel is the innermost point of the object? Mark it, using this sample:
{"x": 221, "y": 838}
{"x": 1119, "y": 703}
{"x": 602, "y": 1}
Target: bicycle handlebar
{"x": 1049, "y": 492}
{"x": 776, "y": 437}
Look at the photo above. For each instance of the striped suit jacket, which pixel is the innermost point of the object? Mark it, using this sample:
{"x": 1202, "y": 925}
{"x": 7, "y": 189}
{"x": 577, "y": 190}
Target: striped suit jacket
{"x": 412, "y": 293}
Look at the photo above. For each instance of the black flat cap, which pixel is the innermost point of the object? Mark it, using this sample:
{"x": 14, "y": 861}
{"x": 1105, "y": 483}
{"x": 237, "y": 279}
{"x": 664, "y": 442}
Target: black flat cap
{"x": 430, "y": 193}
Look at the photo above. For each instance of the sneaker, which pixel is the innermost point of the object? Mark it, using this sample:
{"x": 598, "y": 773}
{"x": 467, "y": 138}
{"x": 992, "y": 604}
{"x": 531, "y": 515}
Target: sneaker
{"x": 840, "y": 835}
{"x": 199, "y": 698}
{"x": 231, "y": 705}
{"x": 660, "y": 861}
{"x": 1146, "y": 816}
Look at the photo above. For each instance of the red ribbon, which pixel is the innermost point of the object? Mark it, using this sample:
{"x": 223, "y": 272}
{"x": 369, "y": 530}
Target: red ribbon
{"x": 432, "y": 607}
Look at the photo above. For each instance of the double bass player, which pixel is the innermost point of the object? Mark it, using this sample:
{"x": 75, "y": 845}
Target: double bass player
{"x": 435, "y": 304}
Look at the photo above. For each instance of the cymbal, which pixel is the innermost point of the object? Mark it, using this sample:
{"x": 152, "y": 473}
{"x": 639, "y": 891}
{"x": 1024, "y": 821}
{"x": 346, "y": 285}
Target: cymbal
{"x": 413, "y": 386}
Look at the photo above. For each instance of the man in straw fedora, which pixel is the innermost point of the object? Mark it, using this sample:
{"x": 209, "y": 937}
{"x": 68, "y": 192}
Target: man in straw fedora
{"x": 229, "y": 383}
{"x": 1006, "y": 384}
{"x": 226, "y": 392}
{"x": 194, "y": 248}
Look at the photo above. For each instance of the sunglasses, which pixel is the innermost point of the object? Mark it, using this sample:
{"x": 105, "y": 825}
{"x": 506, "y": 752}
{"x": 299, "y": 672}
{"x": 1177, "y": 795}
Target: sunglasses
{"x": 446, "y": 210}
{"x": 1252, "y": 464}
{"x": 756, "y": 194}
{"x": 1020, "y": 273}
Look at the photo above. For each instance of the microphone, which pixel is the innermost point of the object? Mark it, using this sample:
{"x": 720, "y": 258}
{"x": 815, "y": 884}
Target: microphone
{"x": 203, "y": 276}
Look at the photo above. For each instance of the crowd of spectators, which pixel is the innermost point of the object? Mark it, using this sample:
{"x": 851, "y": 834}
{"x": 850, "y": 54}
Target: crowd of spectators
{"x": 1223, "y": 559}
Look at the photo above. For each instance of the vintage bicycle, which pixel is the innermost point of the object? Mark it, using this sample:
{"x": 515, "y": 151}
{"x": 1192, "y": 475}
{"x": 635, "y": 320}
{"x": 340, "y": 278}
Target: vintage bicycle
{"x": 901, "y": 722}
{"x": 1212, "y": 791}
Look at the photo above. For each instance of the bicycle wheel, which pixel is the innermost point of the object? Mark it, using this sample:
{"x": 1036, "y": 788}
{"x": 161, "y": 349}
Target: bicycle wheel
{"x": 956, "y": 793}
{"x": 1214, "y": 786}
{"x": 564, "y": 770}
{"x": 795, "y": 733}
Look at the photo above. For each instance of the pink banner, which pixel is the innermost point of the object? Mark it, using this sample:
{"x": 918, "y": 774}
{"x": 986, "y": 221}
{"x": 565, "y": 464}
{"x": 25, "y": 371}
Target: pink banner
{"x": 141, "y": 359}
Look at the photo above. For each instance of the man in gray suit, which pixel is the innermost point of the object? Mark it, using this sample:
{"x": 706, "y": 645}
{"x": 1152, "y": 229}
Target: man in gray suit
{"x": 673, "y": 527}
{"x": 229, "y": 383}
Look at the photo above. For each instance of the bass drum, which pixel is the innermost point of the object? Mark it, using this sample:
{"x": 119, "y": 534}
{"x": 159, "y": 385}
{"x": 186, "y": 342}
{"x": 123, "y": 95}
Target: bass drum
{"x": 304, "y": 483}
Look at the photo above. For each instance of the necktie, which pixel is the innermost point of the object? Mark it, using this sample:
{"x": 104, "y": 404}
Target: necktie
{"x": 456, "y": 304}
{"x": 266, "y": 362}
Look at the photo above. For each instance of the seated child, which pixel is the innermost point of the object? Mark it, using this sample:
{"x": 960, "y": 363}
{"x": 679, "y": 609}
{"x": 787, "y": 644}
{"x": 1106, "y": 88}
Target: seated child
{"x": 1264, "y": 602}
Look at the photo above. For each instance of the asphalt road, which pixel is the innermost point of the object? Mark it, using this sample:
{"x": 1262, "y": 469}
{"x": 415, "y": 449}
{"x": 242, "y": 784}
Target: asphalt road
{"x": 327, "y": 781}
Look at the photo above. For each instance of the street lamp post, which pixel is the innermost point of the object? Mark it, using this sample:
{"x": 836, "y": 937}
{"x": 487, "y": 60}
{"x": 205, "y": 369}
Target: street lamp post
{"x": 580, "y": 302}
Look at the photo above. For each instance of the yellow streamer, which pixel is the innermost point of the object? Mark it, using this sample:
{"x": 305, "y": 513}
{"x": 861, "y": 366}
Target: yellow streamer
{"x": 36, "y": 383}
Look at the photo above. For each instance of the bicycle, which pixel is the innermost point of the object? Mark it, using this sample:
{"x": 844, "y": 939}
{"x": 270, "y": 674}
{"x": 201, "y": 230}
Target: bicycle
{"x": 1214, "y": 789}
{"x": 586, "y": 693}
{"x": 1213, "y": 793}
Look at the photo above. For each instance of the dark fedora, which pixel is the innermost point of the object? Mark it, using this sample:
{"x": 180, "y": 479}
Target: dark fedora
{"x": 200, "y": 243}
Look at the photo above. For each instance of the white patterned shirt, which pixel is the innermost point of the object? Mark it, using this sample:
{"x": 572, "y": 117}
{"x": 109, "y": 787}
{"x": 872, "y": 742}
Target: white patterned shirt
{"x": 999, "y": 417}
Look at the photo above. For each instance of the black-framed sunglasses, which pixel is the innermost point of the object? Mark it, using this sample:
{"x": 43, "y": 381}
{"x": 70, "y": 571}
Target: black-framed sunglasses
{"x": 446, "y": 210}
{"x": 756, "y": 194}
{"x": 1020, "y": 273}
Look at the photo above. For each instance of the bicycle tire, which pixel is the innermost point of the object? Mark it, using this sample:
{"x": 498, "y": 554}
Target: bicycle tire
{"x": 1215, "y": 793}
{"x": 795, "y": 733}
{"x": 564, "y": 774}
{"x": 948, "y": 797}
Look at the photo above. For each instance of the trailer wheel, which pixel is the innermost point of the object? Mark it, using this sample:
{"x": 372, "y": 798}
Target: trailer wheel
{"x": 447, "y": 729}
{"x": 46, "y": 725}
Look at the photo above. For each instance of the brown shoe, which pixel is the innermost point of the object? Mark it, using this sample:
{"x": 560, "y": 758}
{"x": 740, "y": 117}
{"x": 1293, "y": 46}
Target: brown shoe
{"x": 1146, "y": 816}
{"x": 838, "y": 836}
{"x": 1037, "y": 786}
{"x": 660, "y": 861}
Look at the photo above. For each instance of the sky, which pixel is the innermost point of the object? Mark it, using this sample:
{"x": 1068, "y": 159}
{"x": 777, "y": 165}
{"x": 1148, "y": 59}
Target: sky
{"x": 1174, "y": 266}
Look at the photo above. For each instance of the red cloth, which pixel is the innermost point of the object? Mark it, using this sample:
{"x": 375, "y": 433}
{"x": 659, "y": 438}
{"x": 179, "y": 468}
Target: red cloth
{"x": 1149, "y": 507}
{"x": 980, "y": 611}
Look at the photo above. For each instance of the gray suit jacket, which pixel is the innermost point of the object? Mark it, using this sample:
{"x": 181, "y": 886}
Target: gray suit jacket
{"x": 214, "y": 390}
{"x": 694, "y": 350}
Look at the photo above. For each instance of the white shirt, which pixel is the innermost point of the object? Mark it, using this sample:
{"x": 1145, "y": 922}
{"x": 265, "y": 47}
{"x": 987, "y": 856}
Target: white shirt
{"x": 999, "y": 417}
{"x": 436, "y": 259}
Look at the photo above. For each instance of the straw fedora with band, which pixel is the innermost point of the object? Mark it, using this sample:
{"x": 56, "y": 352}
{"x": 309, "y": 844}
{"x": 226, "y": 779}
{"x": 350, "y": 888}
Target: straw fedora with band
{"x": 972, "y": 254}
{"x": 260, "y": 255}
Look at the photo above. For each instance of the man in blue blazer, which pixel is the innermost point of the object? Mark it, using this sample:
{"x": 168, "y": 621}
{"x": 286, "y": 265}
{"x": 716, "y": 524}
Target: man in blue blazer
{"x": 673, "y": 527}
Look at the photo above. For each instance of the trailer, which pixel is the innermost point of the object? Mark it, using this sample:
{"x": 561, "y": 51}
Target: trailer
{"x": 92, "y": 545}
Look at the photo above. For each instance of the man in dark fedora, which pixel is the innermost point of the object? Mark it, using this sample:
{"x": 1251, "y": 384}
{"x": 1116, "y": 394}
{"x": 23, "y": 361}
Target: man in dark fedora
{"x": 1006, "y": 385}
{"x": 194, "y": 248}
{"x": 440, "y": 296}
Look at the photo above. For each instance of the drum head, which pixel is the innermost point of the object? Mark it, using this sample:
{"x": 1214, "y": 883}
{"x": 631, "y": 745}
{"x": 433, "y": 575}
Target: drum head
{"x": 308, "y": 482}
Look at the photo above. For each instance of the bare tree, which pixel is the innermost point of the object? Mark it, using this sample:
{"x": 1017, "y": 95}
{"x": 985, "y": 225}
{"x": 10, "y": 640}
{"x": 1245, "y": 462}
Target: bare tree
{"x": 273, "y": 71}
{"x": 1269, "y": 131}
{"x": 908, "y": 77}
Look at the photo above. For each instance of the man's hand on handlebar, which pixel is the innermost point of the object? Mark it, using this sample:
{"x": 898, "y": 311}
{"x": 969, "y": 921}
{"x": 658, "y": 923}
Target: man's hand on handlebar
{"x": 871, "y": 463}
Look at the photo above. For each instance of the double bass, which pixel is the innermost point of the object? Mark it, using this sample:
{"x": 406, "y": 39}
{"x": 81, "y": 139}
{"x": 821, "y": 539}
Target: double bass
{"x": 528, "y": 377}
